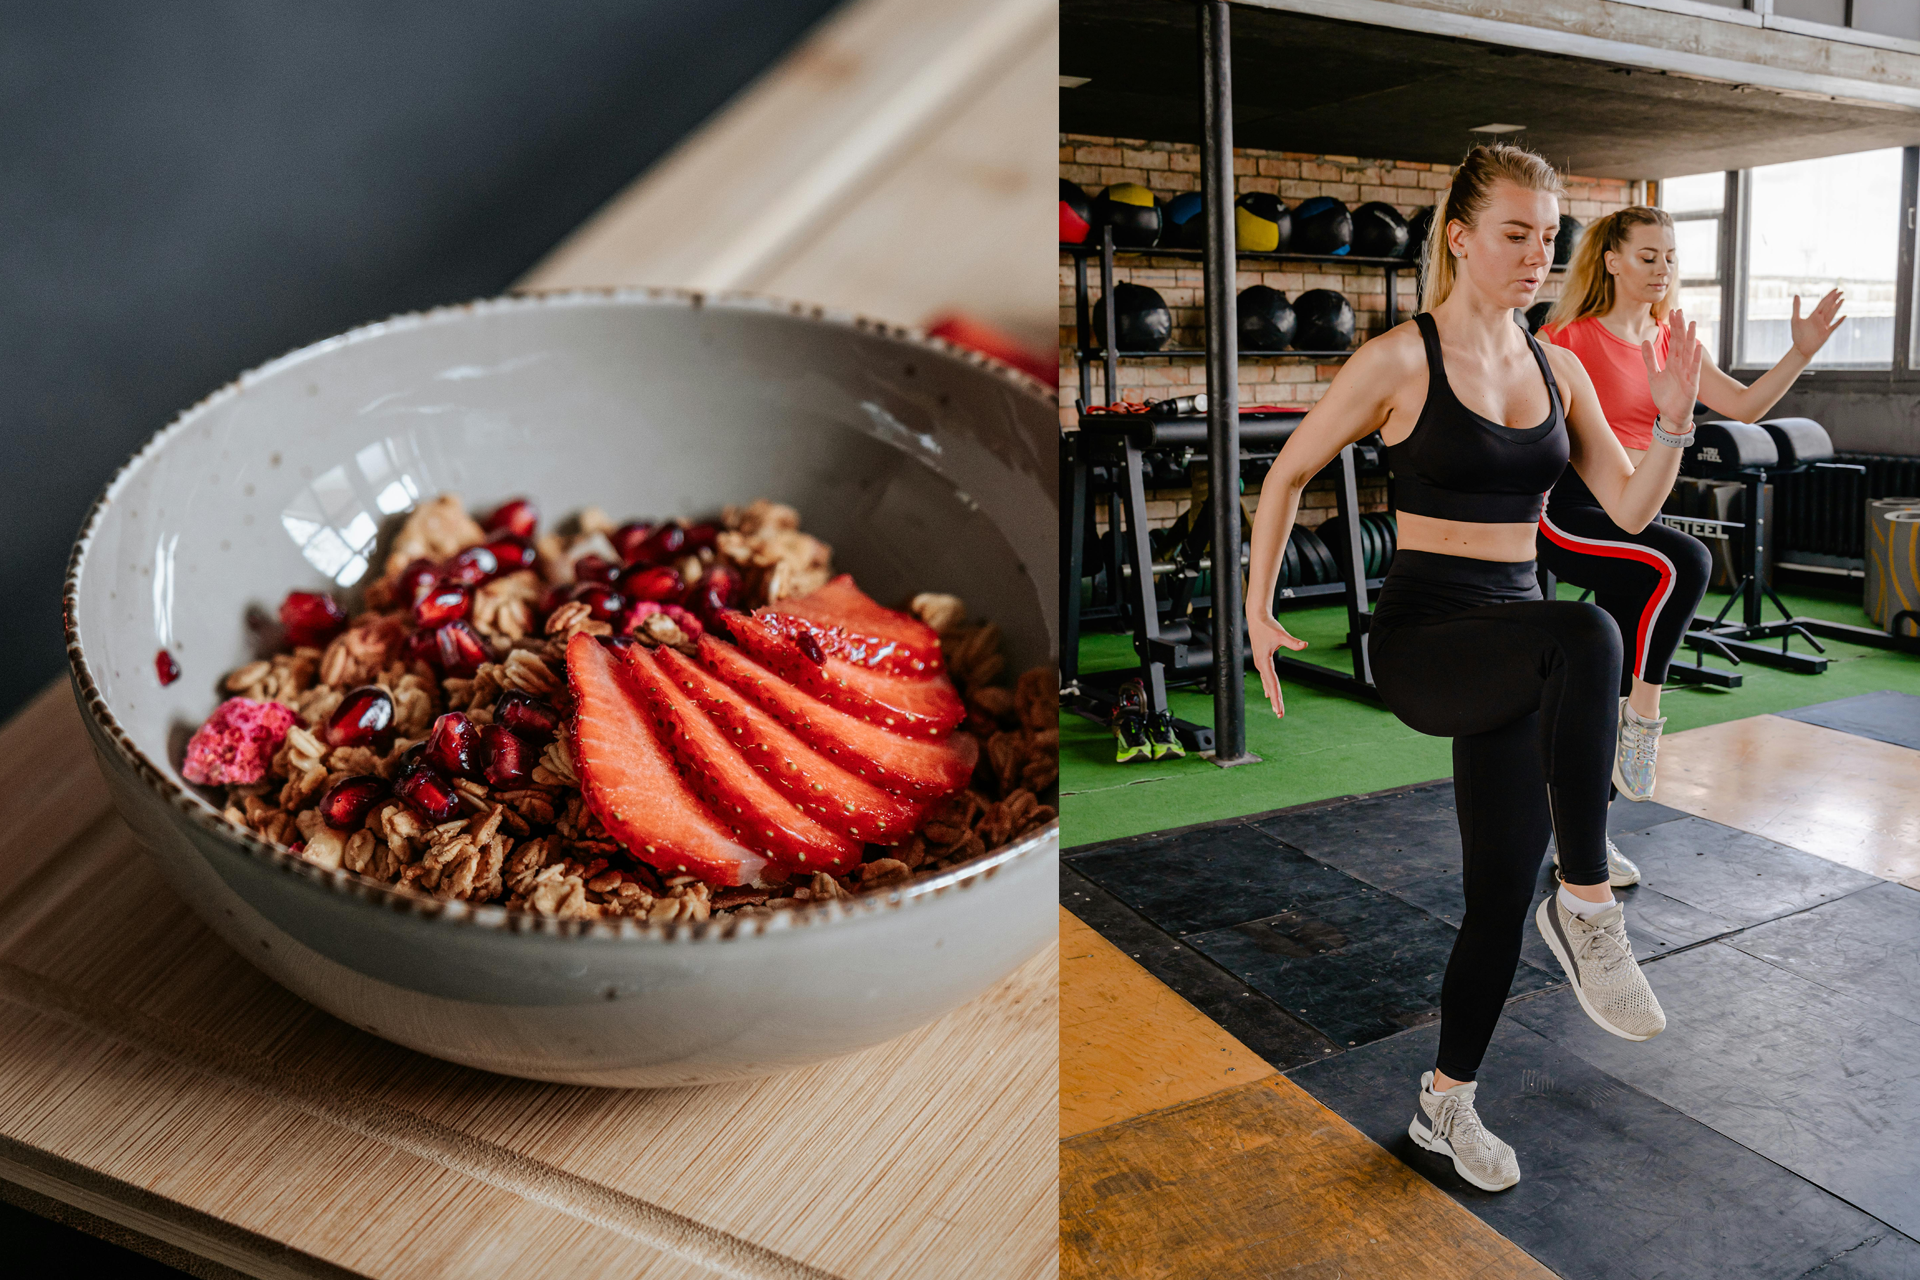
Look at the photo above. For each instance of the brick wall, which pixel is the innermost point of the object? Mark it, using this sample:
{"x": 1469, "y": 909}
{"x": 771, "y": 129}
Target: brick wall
{"x": 1169, "y": 168}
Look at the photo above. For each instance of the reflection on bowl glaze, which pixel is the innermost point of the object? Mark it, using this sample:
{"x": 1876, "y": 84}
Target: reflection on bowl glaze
{"x": 637, "y": 399}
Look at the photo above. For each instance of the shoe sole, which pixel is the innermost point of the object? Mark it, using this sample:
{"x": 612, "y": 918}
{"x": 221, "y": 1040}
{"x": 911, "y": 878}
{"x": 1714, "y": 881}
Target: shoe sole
{"x": 1128, "y": 757}
{"x": 1424, "y": 1139}
{"x": 1166, "y": 753}
{"x": 1547, "y": 931}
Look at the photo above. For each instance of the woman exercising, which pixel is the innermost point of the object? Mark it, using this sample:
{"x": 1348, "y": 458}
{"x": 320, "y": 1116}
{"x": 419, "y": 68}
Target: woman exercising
{"x": 1480, "y": 421}
{"x": 1619, "y": 289}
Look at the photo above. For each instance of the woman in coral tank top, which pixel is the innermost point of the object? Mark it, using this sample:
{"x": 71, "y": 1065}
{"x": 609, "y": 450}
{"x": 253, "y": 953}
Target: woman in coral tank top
{"x": 1613, "y": 315}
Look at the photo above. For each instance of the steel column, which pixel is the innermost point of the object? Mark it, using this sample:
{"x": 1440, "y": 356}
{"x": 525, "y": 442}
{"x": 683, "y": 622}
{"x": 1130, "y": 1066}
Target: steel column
{"x": 1223, "y": 372}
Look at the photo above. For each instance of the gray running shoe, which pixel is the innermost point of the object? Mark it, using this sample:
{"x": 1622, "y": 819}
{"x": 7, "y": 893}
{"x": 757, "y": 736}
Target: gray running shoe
{"x": 1620, "y": 869}
{"x": 1448, "y": 1125}
{"x": 1635, "y": 752}
{"x": 1600, "y": 965}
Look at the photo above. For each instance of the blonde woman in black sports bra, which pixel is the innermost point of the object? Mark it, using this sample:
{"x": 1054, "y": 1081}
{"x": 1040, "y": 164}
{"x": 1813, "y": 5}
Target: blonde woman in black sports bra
{"x": 1479, "y": 422}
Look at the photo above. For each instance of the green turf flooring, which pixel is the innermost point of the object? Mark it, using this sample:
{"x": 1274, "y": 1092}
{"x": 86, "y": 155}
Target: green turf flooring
{"x": 1329, "y": 746}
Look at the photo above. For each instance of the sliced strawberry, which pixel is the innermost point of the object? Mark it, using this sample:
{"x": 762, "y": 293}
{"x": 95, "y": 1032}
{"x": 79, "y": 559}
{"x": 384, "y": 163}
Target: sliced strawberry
{"x": 917, "y": 767}
{"x": 820, "y": 787}
{"x": 758, "y": 814}
{"x": 629, "y": 779}
{"x": 928, "y": 708}
{"x": 868, "y": 634}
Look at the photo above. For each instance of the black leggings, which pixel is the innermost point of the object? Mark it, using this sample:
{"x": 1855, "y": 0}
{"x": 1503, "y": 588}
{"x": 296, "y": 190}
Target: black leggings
{"x": 1466, "y": 649}
{"x": 1650, "y": 582}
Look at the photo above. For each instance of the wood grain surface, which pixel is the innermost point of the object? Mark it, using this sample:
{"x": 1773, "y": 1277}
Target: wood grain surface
{"x": 151, "y": 1076}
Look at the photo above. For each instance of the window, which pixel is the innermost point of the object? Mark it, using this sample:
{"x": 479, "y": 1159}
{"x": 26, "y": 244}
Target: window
{"x": 1813, "y": 225}
{"x": 1696, "y": 203}
{"x": 1882, "y": 17}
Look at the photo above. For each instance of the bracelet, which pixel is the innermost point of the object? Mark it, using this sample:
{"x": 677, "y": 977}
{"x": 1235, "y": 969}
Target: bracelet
{"x": 1666, "y": 437}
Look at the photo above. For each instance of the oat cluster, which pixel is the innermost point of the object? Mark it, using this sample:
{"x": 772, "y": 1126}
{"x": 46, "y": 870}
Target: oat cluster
{"x": 538, "y": 846}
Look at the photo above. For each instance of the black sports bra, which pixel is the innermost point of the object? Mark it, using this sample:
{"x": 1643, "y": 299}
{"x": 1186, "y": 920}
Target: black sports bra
{"x": 1457, "y": 465}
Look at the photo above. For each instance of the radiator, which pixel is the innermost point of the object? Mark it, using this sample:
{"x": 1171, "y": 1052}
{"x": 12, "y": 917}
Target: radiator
{"x": 1824, "y": 512}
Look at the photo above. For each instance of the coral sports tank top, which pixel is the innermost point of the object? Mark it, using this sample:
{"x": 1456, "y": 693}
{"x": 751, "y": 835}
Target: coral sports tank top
{"x": 1619, "y": 375}
{"x": 1457, "y": 465}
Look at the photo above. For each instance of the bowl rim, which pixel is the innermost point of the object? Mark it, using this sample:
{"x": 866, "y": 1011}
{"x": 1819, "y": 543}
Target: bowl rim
{"x": 198, "y": 811}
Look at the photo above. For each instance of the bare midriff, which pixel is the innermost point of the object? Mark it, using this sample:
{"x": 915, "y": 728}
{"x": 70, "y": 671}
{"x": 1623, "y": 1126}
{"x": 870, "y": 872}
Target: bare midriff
{"x": 1473, "y": 541}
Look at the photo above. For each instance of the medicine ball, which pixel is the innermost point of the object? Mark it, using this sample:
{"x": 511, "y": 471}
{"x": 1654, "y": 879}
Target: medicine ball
{"x": 1141, "y": 322}
{"x": 1567, "y": 241}
{"x": 1076, "y": 214}
{"x": 1130, "y": 210}
{"x": 1379, "y": 231}
{"x": 1537, "y": 315}
{"x": 1261, "y": 223}
{"x": 1186, "y": 223}
{"x": 1323, "y": 321}
{"x": 1266, "y": 319}
{"x": 1419, "y": 227}
{"x": 1322, "y": 225}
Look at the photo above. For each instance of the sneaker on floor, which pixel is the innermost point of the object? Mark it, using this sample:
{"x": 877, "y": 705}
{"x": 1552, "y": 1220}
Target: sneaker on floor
{"x": 1634, "y": 753}
{"x": 1599, "y": 963}
{"x": 1448, "y": 1125}
{"x": 1620, "y": 869}
{"x": 1163, "y": 736}
{"x": 1130, "y": 737}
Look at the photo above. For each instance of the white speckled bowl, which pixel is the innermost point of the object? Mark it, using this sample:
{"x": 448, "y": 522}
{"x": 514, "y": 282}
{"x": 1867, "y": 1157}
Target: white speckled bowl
{"x": 926, "y": 467}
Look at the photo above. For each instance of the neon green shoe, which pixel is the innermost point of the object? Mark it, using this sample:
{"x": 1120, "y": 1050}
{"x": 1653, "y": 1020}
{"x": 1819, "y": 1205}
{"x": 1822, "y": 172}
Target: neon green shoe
{"x": 1130, "y": 737}
{"x": 1160, "y": 732}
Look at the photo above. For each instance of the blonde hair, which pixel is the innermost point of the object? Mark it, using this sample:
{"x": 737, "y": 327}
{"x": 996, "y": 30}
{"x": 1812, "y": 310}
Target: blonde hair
{"x": 1589, "y": 289}
{"x": 1472, "y": 187}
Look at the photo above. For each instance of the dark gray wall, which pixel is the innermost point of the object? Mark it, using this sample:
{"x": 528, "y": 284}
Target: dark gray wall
{"x": 1862, "y": 417}
{"x": 188, "y": 189}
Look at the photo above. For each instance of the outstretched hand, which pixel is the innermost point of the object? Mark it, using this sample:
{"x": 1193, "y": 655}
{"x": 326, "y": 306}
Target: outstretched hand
{"x": 1265, "y": 635}
{"x": 1811, "y": 333}
{"x": 1676, "y": 386}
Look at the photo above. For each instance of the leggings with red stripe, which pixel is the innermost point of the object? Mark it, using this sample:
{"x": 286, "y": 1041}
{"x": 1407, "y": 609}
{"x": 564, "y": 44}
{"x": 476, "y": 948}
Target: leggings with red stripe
{"x": 1650, "y": 581}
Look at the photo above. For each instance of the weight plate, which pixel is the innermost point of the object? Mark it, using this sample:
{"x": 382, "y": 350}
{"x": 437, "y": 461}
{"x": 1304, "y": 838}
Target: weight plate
{"x": 1290, "y": 565}
{"x": 1322, "y": 569}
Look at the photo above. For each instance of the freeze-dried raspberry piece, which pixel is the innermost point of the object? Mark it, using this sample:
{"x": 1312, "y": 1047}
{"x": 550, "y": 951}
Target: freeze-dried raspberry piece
{"x": 237, "y": 742}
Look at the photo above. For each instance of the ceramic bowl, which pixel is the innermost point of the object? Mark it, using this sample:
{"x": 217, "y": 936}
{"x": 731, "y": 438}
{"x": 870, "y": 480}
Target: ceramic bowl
{"x": 926, "y": 467}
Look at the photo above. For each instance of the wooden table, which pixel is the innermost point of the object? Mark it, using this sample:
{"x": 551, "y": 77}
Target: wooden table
{"x": 157, "y": 1090}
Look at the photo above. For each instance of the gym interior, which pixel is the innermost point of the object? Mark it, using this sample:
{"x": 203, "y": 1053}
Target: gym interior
{"x": 1256, "y": 911}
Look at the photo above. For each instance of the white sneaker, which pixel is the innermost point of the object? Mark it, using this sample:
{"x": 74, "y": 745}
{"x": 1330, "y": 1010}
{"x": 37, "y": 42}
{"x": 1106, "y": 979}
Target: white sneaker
{"x": 1635, "y": 752}
{"x": 1620, "y": 869}
{"x": 1599, "y": 963}
{"x": 1448, "y": 1125}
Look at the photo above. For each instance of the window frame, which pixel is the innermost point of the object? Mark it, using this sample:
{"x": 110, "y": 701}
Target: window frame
{"x": 1759, "y": 13}
{"x": 1904, "y": 369}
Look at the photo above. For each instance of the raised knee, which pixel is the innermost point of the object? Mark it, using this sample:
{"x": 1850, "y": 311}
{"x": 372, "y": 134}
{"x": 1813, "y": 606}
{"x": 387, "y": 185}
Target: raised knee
{"x": 1591, "y": 631}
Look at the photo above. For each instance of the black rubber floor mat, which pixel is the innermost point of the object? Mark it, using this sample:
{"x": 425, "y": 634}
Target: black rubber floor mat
{"x": 1884, "y": 717}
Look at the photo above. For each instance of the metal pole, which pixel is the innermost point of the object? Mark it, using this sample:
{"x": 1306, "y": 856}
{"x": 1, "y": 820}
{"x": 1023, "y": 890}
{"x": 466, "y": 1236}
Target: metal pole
{"x": 1223, "y": 397}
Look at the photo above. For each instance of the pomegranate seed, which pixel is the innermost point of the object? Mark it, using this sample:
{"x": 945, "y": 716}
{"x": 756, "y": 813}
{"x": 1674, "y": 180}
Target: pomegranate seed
{"x": 513, "y": 553}
{"x": 422, "y": 646}
{"x": 473, "y": 566}
{"x": 663, "y": 544}
{"x": 364, "y": 719}
{"x": 519, "y": 518}
{"x": 639, "y": 613}
{"x": 412, "y": 760}
{"x": 702, "y": 535}
{"x": 724, "y": 579}
{"x": 461, "y": 649}
{"x": 298, "y": 846}
{"x": 606, "y": 603}
{"x": 166, "y": 667}
{"x": 809, "y": 646}
{"x": 526, "y": 715}
{"x": 628, "y": 537}
{"x": 509, "y": 760}
{"x": 591, "y": 568}
{"x": 442, "y": 605}
{"x": 428, "y": 794}
{"x": 714, "y": 593}
{"x": 453, "y": 746}
{"x": 351, "y": 800}
{"x": 652, "y": 582}
{"x": 311, "y": 618}
{"x": 418, "y": 578}
{"x": 687, "y": 623}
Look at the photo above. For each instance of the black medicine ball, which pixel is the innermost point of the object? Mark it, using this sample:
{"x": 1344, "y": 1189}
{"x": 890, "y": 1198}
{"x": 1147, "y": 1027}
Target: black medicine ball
{"x": 1322, "y": 225}
{"x": 1130, "y": 210}
{"x": 1141, "y": 319}
{"x": 1261, "y": 223}
{"x": 1567, "y": 241}
{"x": 1537, "y": 315}
{"x": 1185, "y": 225}
{"x": 1076, "y": 214}
{"x": 1323, "y": 321}
{"x": 1379, "y": 231}
{"x": 1419, "y": 227}
{"x": 1266, "y": 319}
